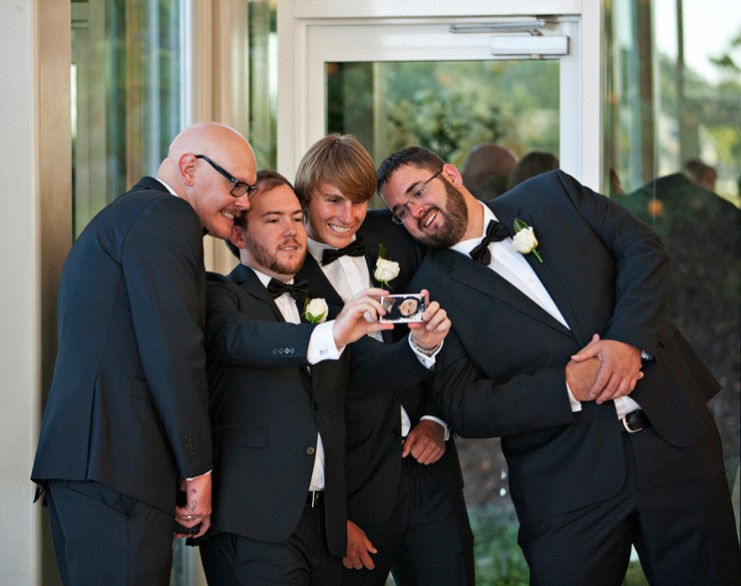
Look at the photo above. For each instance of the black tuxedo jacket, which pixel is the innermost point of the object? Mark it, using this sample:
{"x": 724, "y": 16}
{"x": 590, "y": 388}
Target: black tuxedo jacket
{"x": 374, "y": 418}
{"x": 503, "y": 364}
{"x": 128, "y": 402}
{"x": 266, "y": 408}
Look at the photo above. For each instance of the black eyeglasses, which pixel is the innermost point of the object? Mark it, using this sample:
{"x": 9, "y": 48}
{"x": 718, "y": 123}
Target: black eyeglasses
{"x": 402, "y": 211}
{"x": 239, "y": 188}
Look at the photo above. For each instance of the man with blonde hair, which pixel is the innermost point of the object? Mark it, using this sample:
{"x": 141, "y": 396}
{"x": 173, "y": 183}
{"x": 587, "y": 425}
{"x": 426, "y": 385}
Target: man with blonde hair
{"x": 405, "y": 490}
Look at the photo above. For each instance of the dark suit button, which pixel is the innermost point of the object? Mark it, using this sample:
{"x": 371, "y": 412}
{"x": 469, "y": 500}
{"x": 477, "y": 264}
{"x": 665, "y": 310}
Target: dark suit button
{"x": 316, "y": 406}
{"x": 310, "y": 450}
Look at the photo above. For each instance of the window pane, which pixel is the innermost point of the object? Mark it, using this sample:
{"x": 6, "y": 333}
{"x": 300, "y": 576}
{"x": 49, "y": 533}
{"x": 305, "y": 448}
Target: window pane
{"x": 673, "y": 146}
{"x": 445, "y": 107}
{"x": 263, "y": 69}
{"x": 127, "y": 76}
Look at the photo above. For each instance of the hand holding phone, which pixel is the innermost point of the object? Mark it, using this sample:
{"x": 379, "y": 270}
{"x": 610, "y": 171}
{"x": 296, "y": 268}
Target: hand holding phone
{"x": 403, "y": 308}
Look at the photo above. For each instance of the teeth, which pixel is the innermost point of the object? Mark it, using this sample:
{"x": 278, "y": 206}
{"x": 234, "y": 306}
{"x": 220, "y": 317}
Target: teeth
{"x": 340, "y": 229}
{"x": 430, "y": 219}
{"x": 227, "y": 214}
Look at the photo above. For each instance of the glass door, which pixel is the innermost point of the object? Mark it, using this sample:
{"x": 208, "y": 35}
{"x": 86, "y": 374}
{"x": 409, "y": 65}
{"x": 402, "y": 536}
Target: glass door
{"x": 447, "y": 83}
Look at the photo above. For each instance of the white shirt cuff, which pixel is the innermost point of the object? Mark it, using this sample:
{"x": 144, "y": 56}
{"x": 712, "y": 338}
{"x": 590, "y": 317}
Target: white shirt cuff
{"x": 427, "y": 360}
{"x": 321, "y": 344}
{"x": 441, "y": 422}
{"x": 575, "y": 405}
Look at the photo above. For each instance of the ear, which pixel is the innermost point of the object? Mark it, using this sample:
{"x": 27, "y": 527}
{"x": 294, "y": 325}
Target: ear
{"x": 452, "y": 174}
{"x": 237, "y": 237}
{"x": 187, "y": 167}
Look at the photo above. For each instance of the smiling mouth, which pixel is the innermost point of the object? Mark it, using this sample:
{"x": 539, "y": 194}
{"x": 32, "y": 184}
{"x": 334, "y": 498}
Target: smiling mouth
{"x": 228, "y": 215}
{"x": 429, "y": 218}
{"x": 339, "y": 229}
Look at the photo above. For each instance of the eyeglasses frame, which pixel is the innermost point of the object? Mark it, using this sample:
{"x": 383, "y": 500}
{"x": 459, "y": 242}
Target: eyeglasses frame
{"x": 416, "y": 194}
{"x": 237, "y": 185}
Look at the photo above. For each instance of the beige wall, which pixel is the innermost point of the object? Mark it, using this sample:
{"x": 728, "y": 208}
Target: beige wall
{"x": 35, "y": 234}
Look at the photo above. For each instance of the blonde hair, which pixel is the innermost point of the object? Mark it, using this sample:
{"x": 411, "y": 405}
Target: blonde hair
{"x": 341, "y": 161}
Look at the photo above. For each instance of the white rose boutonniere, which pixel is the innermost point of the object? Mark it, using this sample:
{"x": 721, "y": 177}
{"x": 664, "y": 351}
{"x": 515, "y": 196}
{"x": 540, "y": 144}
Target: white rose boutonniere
{"x": 524, "y": 240}
{"x": 385, "y": 269}
{"x": 316, "y": 310}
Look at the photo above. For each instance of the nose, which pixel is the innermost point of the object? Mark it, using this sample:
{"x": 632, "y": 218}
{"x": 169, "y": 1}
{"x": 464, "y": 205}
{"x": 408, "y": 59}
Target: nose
{"x": 414, "y": 207}
{"x": 289, "y": 228}
{"x": 242, "y": 203}
{"x": 345, "y": 211}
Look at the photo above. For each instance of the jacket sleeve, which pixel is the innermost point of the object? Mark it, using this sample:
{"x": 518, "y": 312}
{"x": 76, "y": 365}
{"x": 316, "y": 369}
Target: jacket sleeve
{"x": 244, "y": 331}
{"x": 641, "y": 265}
{"x": 165, "y": 280}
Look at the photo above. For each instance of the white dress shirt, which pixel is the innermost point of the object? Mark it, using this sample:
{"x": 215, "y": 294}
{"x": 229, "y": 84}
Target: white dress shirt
{"x": 349, "y": 275}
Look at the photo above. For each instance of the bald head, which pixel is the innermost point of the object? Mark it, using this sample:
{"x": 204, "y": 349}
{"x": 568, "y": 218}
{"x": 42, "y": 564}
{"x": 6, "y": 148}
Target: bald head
{"x": 201, "y": 165}
{"x": 487, "y": 170}
{"x": 217, "y": 141}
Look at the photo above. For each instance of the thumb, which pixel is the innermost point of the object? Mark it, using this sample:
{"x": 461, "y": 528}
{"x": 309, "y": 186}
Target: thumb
{"x": 589, "y": 351}
{"x": 408, "y": 443}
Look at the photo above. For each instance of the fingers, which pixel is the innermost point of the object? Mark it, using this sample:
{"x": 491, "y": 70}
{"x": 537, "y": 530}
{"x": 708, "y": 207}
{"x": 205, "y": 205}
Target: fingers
{"x": 188, "y": 519}
{"x": 617, "y": 387}
{"x": 205, "y": 526}
{"x": 359, "y": 316}
{"x": 589, "y": 351}
{"x": 435, "y": 326}
{"x": 619, "y": 372}
{"x": 581, "y": 377}
{"x": 425, "y": 443}
{"x": 359, "y": 548}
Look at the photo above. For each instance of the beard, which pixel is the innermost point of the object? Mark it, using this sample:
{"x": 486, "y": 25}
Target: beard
{"x": 269, "y": 259}
{"x": 455, "y": 222}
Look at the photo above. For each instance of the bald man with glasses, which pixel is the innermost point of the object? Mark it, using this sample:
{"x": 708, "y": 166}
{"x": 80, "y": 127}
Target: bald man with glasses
{"x": 126, "y": 424}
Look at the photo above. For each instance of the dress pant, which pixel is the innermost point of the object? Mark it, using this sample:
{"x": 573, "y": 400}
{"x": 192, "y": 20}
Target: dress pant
{"x": 301, "y": 560}
{"x": 427, "y": 539}
{"x": 104, "y": 537}
{"x": 674, "y": 508}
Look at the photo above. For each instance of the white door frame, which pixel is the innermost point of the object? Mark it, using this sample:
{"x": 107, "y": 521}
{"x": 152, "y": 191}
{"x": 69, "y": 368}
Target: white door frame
{"x": 309, "y": 35}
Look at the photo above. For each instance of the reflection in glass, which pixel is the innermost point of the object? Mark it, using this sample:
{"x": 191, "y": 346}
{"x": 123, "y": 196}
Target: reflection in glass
{"x": 444, "y": 106}
{"x": 127, "y": 77}
{"x": 672, "y": 150}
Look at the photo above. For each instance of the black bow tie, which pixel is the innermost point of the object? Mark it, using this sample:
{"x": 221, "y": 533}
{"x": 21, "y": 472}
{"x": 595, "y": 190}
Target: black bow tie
{"x": 298, "y": 290}
{"x": 355, "y": 248}
{"x": 494, "y": 233}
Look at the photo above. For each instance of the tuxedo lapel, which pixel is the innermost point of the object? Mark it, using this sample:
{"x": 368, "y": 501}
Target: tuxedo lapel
{"x": 545, "y": 271}
{"x": 370, "y": 252}
{"x": 249, "y": 282}
{"x": 468, "y": 272}
{"x": 371, "y": 256}
{"x": 318, "y": 281}
{"x": 246, "y": 278}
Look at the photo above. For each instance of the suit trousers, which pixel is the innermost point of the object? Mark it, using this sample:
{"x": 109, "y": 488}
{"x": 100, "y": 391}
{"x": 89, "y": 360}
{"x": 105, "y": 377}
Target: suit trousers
{"x": 674, "y": 507}
{"x": 426, "y": 540}
{"x": 103, "y": 537}
{"x": 302, "y": 559}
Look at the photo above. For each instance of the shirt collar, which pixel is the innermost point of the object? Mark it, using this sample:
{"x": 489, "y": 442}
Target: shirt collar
{"x": 317, "y": 248}
{"x": 466, "y": 246}
{"x": 170, "y": 189}
{"x": 264, "y": 279}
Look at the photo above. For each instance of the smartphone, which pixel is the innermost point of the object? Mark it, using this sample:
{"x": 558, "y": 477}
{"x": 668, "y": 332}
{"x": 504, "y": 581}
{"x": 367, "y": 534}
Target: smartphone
{"x": 403, "y": 308}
